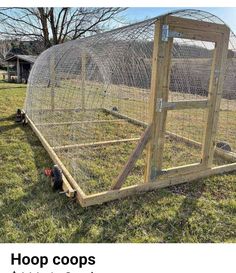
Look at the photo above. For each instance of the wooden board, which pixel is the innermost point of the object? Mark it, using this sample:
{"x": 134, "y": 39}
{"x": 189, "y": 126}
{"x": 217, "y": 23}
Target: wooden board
{"x": 79, "y": 193}
{"x": 196, "y": 25}
{"x": 159, "y": 92}
{"x": 215, "y": 94}
{"x": 94, "y": 144}
{"x": 132, "y": 159}
{"x": 106, "y": 196}
{"x": 68, "y": 190}
{"x": 181, "y": 105}
{"x": 80, "y": 122}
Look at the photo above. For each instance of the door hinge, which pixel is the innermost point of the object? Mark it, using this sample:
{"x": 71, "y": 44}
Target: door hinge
{"x": 167, "y": 33}
{"x": 159, "y": 105}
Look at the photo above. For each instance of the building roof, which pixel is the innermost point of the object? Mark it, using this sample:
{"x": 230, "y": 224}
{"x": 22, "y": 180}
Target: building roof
{"x": 27, "y": 58}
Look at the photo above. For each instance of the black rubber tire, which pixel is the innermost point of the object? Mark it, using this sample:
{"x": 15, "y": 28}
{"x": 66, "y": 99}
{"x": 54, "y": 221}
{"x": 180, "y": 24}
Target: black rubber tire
{"x": 18, "y": 119}
{"x": 224, "y": 146}
{"x": 114, "y": 108}
{"x": 18, "y": 115}
{"x": 57, "y": 178}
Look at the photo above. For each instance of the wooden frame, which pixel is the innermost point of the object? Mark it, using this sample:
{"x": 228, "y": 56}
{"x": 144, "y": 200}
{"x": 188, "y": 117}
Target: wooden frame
{"x": 155, "y": 130}
{"x": 187, "y": 29}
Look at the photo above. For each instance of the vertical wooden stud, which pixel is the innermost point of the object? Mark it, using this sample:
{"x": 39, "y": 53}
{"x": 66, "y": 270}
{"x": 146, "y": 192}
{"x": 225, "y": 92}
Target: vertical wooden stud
{"x": 215, "y": 94}
{"x": 165, "y": 95}
{"x": 159, "y": 93}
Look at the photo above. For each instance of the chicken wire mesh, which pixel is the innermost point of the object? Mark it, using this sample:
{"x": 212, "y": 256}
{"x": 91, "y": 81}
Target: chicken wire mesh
{"x": 80, "y": 94}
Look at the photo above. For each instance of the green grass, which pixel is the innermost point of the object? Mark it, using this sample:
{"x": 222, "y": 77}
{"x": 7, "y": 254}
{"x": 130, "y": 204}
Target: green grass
{"x": 201, "y": 211}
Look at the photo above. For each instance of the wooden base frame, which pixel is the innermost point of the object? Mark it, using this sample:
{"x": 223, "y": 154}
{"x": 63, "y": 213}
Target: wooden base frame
{"x": 169, "y": 177}
{"x": 154, "y": 135}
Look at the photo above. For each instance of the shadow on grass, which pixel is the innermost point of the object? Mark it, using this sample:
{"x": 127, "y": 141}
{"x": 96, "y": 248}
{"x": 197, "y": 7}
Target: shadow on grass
{"x": 9, "y": 118}
{"x": 10, "y": 88}
{"x": 5, "y": 128}
{"x": 113, "y": 228}
{"x": 14, "y": 85}
{"x": 180, "y": 223}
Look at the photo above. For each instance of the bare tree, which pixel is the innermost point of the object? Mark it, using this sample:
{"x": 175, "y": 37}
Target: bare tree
{"x": 54, "y": 25}
{"x": 5, "y": 46}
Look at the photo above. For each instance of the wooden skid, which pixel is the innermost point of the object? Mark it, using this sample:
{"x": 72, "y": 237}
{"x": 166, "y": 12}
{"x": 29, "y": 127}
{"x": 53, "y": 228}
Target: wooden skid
{"x": 99, "y": 198}
{"x": 68, "y": 190}
{"x": 94, "y": 144}
{"x": 106, "y": 196}
{"x": 79, "y": 193}
{"x": 81, "y": 122}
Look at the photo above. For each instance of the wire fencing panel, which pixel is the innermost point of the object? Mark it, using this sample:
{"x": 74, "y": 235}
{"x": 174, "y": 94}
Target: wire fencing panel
{"x": 81, "y": 93}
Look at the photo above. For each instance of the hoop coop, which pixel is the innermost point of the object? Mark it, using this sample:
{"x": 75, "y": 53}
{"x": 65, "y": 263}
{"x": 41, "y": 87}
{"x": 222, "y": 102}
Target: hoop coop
{"x": 138, "y": 108}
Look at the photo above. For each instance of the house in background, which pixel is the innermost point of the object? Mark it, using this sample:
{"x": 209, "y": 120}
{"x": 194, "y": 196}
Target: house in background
{"x": 19, "y": 66}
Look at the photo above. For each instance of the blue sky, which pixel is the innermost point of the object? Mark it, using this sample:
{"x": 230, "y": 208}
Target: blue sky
{"x": 228, "y": 15}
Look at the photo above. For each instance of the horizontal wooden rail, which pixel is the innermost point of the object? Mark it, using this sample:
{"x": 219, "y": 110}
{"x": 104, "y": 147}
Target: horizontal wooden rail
{"x": 181, "y": 169}
{"x": 230, "y": 156}
{"x": 185, "y": 104}
{"x": 196, "y": 25}
{"x": 106, "y": 196}
{"x": 131, "y": 120}
{"x": 81, "y": 122}
{"x": 94, "y": 144}
{"x": 66, "y": 109}
{"x": 193, "y": 34}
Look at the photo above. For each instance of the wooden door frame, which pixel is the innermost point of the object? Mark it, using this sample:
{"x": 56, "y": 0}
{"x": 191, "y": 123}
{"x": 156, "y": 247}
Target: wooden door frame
{"x": 194, "y": 30}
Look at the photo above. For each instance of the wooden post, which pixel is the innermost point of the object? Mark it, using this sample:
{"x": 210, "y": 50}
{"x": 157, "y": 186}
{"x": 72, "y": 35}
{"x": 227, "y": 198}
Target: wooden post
{"x": 18, "y": 70}
{"x": 159, "y": 94}
{"x": 215, "y": 93}
{"x": 83, "y": 79}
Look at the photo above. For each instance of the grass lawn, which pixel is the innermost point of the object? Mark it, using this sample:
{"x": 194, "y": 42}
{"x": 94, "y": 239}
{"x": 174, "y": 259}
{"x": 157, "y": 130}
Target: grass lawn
{"x": 201, "y": 211}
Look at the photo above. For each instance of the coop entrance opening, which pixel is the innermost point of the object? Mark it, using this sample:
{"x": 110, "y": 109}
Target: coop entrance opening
{"x": 187, "y": 102}
{"x": 186, "y": 94}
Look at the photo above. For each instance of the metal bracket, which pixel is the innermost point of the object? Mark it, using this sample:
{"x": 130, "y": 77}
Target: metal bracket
{"x": 217, "y": 74}
{"x": 155, "y": 173}
{"x": 160, "y": 105}
{"x": 70, "y": 194}
{"x": 167, "y": 33}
